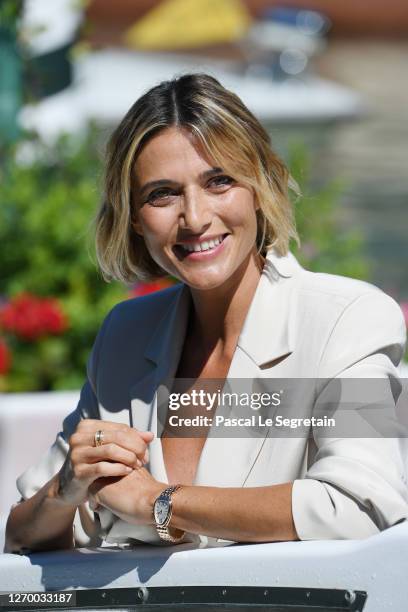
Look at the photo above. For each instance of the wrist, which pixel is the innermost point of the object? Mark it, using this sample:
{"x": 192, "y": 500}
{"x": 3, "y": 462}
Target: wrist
{"x": 159, "y": 488}
{"x": 55, "y": 494}
{"x": 175, "y": 532}
{"x": 162, "y": 515}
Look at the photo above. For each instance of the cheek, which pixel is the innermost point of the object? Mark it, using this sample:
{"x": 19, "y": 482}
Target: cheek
{"x": 240, "y": 210}
{"x": 156, "y": 225}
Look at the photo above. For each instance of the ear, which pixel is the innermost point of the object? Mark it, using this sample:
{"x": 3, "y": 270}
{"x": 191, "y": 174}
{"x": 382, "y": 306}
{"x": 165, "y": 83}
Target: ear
{"x": 135, "y": 223}
{"x": 137, "y": 227}
{"x": 134, "y": 213}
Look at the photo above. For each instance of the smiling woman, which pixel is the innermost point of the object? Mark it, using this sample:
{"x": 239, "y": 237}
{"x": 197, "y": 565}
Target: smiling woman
{"x": 195, "y": 125}
{"x": 198, "y": 215}
{"x": 193, "y": 189}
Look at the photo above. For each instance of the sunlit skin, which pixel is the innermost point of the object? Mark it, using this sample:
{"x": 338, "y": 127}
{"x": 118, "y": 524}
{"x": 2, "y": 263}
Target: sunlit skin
{"x": 181, "y": 195}
{"x": 193, "y": 200}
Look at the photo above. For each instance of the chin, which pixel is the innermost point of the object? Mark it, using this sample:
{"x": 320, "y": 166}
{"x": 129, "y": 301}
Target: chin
{"x": 204, "y": 284}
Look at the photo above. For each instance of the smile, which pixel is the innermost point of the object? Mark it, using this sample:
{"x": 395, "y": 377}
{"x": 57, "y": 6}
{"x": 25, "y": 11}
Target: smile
{"x": 201, "y": 248}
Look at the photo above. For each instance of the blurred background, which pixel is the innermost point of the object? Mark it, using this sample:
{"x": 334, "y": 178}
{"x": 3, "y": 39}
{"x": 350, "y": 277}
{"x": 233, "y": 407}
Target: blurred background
{"x": 328, "y": 79}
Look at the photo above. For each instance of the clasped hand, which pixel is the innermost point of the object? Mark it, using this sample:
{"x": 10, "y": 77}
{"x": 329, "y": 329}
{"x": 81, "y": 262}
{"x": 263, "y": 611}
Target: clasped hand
{"x": 110, "y": 475}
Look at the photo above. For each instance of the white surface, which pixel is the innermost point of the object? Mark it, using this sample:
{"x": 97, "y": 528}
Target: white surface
{"x": 108, "y": 82}
{"x": 3, "y": 520}
{"x": 48, "y": 25}
{"x": 29, "y": 423}
{"x": 277, "y": 36}
{"x": 376, "y": 565}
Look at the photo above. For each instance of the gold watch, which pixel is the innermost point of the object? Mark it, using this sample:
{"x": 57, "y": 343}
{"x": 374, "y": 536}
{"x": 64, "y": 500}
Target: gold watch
{"x": 162, "y": 513}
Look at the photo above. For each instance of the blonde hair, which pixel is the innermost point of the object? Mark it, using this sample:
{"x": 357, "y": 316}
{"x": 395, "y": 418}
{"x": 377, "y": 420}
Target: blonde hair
{"x": 231, "y": 136}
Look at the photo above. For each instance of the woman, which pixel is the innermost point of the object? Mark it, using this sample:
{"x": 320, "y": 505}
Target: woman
{"x": 194, "y": 190}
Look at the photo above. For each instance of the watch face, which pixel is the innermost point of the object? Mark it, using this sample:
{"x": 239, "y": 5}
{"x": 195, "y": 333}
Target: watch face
{"x": 161, "y": 511}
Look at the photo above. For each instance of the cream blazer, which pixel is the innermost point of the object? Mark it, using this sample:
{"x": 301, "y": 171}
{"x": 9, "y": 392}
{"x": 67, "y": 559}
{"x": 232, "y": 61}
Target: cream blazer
{"x": 300, "y": 324}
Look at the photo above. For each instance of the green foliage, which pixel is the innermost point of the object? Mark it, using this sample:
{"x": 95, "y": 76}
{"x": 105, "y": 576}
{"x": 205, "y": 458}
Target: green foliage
{"x": 10, "y": 11}
{"x": 325, "y": 245}
{"x": 46, "y": 213}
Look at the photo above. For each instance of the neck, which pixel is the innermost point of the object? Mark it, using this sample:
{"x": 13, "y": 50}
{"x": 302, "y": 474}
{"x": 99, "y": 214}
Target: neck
{"x": 219, "y": 314}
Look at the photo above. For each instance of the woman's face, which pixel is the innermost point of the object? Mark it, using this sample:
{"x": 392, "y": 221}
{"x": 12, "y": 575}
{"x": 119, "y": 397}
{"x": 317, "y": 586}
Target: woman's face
{"x": 198, "y": 223}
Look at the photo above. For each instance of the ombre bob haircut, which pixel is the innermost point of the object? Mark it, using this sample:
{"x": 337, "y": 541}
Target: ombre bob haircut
{"x": 232, "y": 138}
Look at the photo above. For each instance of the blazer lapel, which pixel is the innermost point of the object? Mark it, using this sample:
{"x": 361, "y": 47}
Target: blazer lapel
{"x": 265, "y": 341}
{"x": 163, "y": 354}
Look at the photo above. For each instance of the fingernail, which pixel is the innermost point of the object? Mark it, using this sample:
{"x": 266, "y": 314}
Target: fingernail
{"x": 139, "y": 463}
{"x": 128, "y": 469}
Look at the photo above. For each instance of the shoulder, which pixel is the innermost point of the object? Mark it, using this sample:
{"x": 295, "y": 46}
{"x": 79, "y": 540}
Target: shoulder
{"x": 333, "y": 287}
{"x": 327, "y": 291}
{"x": 135, "y": 319}
{"x": 149, "y": 307}
{"x": 353, "y": 318}
{"x": 341, "y": 294}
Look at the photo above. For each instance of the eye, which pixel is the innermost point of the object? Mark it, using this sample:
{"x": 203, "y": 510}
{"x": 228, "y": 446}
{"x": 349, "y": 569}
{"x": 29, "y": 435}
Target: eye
{"x": 160, "y": 197}
{"x": 221, "y": 181}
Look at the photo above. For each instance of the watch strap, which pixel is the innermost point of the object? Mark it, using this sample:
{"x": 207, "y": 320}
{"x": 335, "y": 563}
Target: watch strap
{"x": 163, "y": 529}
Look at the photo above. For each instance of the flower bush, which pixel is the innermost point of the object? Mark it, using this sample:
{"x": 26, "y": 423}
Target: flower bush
{"x": 52, "y": 297}
{"x": 30, "y": 318}
{"x": 5, "y": 358}
{"x": 145, "y": 288}
{"x": 28, "y": 325}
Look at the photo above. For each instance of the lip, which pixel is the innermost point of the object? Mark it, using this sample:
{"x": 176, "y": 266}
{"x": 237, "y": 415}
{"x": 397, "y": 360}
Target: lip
{"x": 200, "y": 255}
{"x": 201, "y": 239}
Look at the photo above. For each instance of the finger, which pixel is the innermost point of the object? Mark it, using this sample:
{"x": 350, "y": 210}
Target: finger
{"x": 93, "y": 504}
{"x": 110, "y": 452}
{"x": 95, "y": 424}
{"x": 146, "y": 457}
{"x": 146, "y": 435}
{"x": 83, "y": 455}
{"x": 128, "y": 439}
{"x": 104, "y": 469}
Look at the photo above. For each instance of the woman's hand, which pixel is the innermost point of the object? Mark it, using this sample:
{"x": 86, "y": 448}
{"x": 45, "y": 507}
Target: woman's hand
{"x": 130, "y": 497}
{"x": 123, "y": 448}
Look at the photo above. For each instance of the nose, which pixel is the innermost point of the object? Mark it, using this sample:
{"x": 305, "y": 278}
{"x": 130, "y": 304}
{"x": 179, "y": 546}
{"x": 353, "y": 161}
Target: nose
{"x": 196, "y": 212}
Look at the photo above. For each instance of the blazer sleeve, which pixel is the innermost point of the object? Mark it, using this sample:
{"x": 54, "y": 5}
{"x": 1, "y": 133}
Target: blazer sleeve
{"x": 36, "y": 476}
{"x": 357, "y": 486}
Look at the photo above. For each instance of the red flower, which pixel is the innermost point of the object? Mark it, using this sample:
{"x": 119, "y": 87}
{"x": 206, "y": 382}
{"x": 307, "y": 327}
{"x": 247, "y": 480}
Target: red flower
{"x": 30, "y": 317}
{"x": 5, "y": 357}
{"x": 145, "y": 288}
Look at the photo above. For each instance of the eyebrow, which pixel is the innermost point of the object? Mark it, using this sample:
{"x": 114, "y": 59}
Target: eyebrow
{"x": 162, "y": 182}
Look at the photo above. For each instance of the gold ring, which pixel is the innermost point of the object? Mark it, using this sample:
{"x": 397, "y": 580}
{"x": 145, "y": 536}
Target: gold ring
{"x": 98, "y": 438}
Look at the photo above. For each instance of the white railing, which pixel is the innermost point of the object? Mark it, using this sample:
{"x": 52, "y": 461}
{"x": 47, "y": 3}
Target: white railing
{"x": 375, "y": 566}
{"x": 29, "y": 423}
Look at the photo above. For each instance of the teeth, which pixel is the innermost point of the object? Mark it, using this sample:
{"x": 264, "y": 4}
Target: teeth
{"x": 202, "y": 246}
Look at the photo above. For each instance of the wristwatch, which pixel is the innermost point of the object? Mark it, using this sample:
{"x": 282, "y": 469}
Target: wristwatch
{"x": 162, "y": 512}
